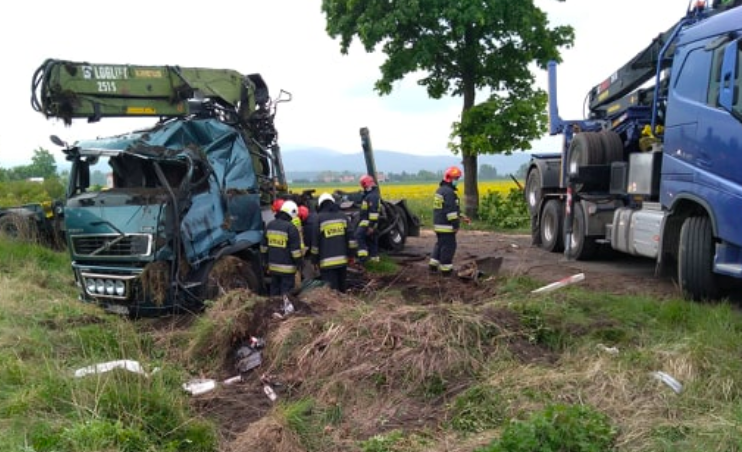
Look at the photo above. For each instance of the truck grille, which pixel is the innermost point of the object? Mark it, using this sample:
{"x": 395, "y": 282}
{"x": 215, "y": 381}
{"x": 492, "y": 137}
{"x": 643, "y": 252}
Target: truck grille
{"x": 112, "y": 245}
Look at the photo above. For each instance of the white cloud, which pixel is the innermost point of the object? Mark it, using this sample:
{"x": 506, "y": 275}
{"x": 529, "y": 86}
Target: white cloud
{"x": 285, "y": 41}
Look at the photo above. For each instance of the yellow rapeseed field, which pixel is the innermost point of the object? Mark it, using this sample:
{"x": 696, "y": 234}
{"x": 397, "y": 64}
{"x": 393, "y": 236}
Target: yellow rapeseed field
{"x": 412, "y": 191}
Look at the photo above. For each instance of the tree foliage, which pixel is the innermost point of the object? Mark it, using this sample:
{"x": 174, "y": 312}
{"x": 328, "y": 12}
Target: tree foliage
{"x": 460, "y": 48}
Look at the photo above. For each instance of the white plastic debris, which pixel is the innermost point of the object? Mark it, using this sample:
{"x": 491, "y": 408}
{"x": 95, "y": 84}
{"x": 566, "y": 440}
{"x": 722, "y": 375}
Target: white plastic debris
{"x": 561, "y": 283}
{"x": 288, "y": 307}
{"x": 200, "y": 386}
{"x": 668, "y": 380}
{"x": 609, "y": 350}
{"x": 270, "y": 393}
{"x": 126, "y": 364}
{"x": 232, "y": 380}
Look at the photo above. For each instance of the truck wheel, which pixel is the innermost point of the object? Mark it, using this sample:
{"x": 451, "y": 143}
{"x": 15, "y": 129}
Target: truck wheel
{"x": 612, "y": 146}
{"x": 229, "y": 273}
{"x": 552, "y": 219}
{"x": 695, "y": 260}
{"x": 533, "y": 190}
{"x": 20, "y": 228}
{"x": 586, "y": 148}
{"x": 581, "y": 247}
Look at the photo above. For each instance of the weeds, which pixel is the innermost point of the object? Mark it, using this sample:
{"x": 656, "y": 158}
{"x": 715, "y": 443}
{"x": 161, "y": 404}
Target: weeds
{"x": 574, "y": 428}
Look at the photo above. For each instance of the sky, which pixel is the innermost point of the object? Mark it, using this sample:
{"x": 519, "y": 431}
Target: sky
{"x": 286, "y": 42}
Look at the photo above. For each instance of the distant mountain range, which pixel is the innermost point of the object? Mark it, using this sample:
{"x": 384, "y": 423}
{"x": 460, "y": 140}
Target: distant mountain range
{"x": 303, "y": 163}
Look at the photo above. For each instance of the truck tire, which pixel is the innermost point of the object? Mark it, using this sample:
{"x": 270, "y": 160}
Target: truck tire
{"x": 552, "y": 220}
{"x": 19, "y": 228}
{"x": 581, "y": 247}
{"x": 695, "y": 260}
{"x": 533, "y": 190}
{"x": 586, "y": 148}
{"x": 229, "y": 273}
{"x": 612, "y": 146}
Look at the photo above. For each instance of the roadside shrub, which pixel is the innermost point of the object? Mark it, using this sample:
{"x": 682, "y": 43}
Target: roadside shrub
{"x": 504, "y": 211}
{"x": 558, "y": 428}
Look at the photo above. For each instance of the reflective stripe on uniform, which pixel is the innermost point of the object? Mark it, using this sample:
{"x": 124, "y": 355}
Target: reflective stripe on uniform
{"x": 443, "y": 228}
{"x": 446, "y": 267}
{"x": 452, "y": 216}
{"x": 363, "y": 223}
{"x": 333, "y": 261}
{"x": 282, "y": 268}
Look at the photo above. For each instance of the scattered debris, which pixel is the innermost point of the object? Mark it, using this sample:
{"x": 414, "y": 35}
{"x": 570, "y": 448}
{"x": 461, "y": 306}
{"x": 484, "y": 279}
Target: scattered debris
{"x": 232, "y": 380}
{"x": 561, "y": 283}
{"x": 480, "y": 268}
{"x": 288, "y": 307}
{"x": 126, "y": 364}
{"x": 609, "y": 350}
{"x": 270, "y": 392}
{"x": 248, "y": 358}
{"x": 668, "y": 380}
{"x": 200, "y": 386}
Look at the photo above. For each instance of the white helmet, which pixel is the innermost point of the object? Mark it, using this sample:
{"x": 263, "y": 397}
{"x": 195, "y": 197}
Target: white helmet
{"x": 325, "y": 197}
{"x": 290, "y": 208}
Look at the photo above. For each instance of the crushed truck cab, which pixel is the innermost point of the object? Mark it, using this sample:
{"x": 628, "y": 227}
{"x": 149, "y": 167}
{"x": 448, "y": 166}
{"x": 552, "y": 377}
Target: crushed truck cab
{"x": 181, "y": 218}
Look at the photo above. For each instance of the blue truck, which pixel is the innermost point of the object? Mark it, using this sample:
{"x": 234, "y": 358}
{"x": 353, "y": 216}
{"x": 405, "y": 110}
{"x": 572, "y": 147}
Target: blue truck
{"x": 655, "y": 167}
{"x": 182, "y": 215}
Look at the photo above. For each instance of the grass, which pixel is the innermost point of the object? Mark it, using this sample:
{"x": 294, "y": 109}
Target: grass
{"x": 45, "y": 335}
{"x": 374, "y": 373}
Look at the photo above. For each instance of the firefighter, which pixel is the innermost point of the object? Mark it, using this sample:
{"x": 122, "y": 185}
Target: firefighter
{"x": 447, "y": 218}
{"x": 332, "y": 243}
{"x": 281, "y": 249}
{"x": 366, "y": 235}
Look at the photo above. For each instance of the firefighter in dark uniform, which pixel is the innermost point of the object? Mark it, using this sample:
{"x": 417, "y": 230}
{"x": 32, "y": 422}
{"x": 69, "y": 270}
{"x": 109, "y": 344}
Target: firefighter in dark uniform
{"x": 332, "y": 243}
{"x": 281, "y": 249}
{"x": 447, "y": 218}
{"x": 366, "y": 235}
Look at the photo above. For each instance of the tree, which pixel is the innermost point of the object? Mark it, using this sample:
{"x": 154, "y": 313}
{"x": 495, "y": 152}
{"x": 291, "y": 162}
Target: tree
{"x": 459, "y": 48}
{"x": 487, "y": 172}
{"x": 42, "y": 164}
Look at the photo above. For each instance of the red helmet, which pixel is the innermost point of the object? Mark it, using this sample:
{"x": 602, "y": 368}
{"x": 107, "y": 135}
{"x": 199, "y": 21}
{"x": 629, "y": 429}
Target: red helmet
{"x": 367, "y": 182}
{"x": 303, "y": 213}
{"x": 277, "y": 205}
{"x": 451, "y": 174}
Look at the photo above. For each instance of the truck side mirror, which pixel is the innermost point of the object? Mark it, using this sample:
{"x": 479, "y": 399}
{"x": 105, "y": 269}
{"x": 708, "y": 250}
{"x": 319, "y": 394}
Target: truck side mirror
{"x": 728, "y": 88}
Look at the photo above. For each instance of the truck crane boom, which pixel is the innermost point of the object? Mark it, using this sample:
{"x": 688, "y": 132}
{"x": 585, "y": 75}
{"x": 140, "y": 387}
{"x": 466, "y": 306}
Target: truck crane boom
{"x": 67, "y": 90}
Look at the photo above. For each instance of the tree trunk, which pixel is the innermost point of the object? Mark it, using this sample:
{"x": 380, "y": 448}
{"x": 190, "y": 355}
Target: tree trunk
{"x": 471, "y": 187}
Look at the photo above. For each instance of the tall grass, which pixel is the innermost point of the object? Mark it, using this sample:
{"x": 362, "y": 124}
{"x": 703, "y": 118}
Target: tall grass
{"x": 45, "y": 335}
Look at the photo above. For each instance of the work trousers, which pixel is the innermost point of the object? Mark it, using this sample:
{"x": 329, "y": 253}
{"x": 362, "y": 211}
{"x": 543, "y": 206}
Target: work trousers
{"x": 282, "y": 284}
{"x": 443, "y": 252}
{"x": 336, "y": 278}
{"x": 368, "y": 244}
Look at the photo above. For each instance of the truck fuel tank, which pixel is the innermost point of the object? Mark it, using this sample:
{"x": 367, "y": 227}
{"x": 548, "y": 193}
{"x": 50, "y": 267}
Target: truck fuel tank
{"x": 637, "y": 232}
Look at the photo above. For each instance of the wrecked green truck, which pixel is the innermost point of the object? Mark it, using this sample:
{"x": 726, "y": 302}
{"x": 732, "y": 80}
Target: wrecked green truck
{"x": 182, "y": 215}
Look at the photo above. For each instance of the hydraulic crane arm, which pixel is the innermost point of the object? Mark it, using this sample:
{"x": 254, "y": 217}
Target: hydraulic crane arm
{"x": 647, "y": 64}
{"x": 67, "y": 90}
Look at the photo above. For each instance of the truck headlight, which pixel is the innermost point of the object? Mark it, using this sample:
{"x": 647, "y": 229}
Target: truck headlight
{"x": 90, "y": 285}
{"x": 120, "y": 288}
{"x": 100, "y": 286}
{"x": 109, "y": 287}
